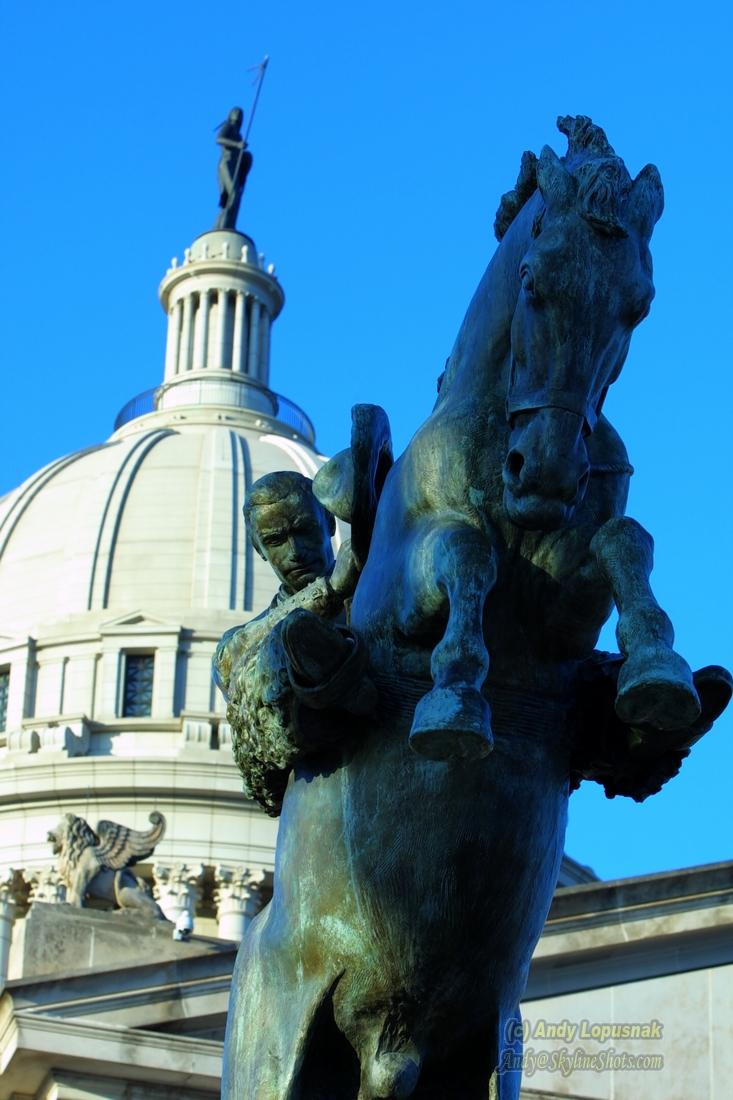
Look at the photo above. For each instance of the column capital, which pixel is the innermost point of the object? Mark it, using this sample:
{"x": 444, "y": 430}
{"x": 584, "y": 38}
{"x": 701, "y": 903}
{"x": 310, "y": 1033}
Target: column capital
{"x": 235, "y": 882}
{"x": 46, "y": 885}
{"x": 238, "y": 897}
{"x": 178, "y": 887}
{"x": 11, "y": 891}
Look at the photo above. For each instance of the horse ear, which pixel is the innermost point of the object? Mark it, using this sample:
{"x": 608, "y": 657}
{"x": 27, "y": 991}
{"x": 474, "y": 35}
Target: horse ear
{"x": 557, "y": 186}
{"x": 646, "y": 201}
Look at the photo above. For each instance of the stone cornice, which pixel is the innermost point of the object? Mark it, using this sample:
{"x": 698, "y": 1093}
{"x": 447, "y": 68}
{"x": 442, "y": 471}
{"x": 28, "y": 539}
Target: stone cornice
{"x": 641, "y": 896}
{"x": 32, "y": 779}
{"x": 235, "y": 274}
{"x": 609, "y": 933}
{"x": 31, "y": 1045}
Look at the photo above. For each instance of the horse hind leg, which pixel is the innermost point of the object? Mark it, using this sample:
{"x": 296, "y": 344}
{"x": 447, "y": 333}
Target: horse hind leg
{"x": 455, "y": 564}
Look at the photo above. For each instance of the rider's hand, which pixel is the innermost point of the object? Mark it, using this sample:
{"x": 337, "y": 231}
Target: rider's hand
{"x": 345, "y": 573}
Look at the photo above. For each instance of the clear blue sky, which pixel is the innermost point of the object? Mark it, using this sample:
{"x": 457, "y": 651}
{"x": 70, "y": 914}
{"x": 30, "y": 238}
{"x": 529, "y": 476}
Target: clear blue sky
{"x": 385, "y": 137}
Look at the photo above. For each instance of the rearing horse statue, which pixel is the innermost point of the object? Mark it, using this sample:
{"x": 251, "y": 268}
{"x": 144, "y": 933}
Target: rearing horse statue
{"x": 412, "y": 886}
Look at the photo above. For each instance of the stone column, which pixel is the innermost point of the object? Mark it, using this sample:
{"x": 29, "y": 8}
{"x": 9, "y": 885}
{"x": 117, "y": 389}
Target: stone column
{"x": 254, "y": 340}
{"x": 46, "y": 885}
{"x": 184, "y": 356}
{"x": 221, "y": 329}
{"x": 110, "y": 671}
{"x": 164, "y": 680}
{"x": 8, "y": 902}
{"x": 178, "y": 888}
{"x": 238, "y": 898}
{"x": 201, "y": 331}
{"x": 79, "y": 694}
{"x": 50, "y": 684}
{"x": 265, "y": 352}
{"x": 171, "y": 347}
{"x": 22, "y": 675}
{"x": 238, "y": 341}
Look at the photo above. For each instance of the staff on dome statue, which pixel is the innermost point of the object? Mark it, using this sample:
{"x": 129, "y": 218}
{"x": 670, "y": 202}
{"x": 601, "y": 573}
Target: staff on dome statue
{"x": 235, "y": 163}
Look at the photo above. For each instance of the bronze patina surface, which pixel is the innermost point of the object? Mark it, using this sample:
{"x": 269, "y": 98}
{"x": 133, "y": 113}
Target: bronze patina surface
{"x": 424, "y": 809}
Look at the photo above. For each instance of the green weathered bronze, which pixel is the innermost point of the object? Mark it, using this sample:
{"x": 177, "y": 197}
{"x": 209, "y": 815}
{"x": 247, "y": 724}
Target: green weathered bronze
{"x": 292, "y": 675}
{"x": 420, "y": 840}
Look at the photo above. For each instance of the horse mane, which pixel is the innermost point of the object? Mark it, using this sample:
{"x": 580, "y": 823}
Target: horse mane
{"x": 513, "y": 201}
{"x": 603, "y": 180}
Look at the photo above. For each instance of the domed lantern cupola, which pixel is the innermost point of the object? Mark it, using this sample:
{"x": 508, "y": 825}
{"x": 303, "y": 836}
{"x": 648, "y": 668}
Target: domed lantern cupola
{"x": 220, "y": 304}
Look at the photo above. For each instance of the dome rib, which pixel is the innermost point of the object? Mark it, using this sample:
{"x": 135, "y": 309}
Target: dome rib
{"x": 248, "y": 555}
{"x": 27, "y": 492}
{"x": 120, "y": 489}
{"x": 240, "y": 488}
{"x": 296, "y": 452}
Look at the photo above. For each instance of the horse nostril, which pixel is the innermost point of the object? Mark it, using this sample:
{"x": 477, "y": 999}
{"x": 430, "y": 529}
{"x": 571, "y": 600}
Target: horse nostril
{"x": 514, "y": 463}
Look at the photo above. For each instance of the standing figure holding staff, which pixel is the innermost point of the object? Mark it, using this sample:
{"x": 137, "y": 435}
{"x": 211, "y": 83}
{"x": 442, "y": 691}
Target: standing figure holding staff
{"x": 235, "y": 161}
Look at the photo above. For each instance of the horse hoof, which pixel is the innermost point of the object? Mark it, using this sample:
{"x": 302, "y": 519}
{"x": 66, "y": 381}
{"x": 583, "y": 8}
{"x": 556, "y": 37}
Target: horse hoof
{"x": 657, "y": 691}
{"x": 452, "y": 723}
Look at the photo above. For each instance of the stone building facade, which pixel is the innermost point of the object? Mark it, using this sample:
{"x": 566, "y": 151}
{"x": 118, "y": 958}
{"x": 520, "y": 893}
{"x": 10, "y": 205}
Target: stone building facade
{"x": 120, "y": 568}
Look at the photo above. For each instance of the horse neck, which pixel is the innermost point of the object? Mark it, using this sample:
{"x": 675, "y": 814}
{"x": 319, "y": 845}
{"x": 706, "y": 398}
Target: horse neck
{"x": 479, "y": 362}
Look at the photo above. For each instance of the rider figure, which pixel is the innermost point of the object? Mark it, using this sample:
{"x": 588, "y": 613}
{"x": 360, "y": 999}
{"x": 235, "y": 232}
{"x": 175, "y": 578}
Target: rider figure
{"x": 290, "y": 674}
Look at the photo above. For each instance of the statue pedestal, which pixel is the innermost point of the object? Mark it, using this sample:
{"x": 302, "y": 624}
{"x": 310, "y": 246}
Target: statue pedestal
{"x": 62, "y": 938}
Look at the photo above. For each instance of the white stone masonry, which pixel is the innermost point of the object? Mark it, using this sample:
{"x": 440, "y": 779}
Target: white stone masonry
{"x": 238, "y": 898}
{"x": 178, "y": 888}
{"x": 220, "y": 305}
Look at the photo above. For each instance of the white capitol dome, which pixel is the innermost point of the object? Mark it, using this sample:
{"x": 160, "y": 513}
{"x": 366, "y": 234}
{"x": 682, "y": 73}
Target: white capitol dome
{"x": 120, "y": 568}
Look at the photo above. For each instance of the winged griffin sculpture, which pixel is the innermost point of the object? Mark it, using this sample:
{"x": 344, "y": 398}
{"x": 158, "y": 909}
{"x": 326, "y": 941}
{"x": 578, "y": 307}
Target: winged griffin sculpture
{"x": 97, "y": 864}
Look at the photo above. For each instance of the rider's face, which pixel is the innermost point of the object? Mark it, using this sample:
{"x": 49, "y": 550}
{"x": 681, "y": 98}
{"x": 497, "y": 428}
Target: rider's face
{"x": 293, "y": 536}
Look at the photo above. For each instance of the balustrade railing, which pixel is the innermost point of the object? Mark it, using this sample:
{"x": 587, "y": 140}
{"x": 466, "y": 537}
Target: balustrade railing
{"x": 138, "y": 405}
{"x": 284, "y": 410}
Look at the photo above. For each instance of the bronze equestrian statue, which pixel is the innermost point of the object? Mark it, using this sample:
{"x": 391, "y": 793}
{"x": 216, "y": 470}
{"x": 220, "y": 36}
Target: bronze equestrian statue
{"x": 418, "y": 853}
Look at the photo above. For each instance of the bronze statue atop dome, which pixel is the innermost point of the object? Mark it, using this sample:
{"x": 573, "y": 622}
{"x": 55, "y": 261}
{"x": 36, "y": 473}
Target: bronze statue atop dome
{"x": 235, "y": 163}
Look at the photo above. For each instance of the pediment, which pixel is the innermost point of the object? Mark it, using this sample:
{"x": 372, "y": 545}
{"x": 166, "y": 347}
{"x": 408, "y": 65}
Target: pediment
{"x": 137, "y": 620}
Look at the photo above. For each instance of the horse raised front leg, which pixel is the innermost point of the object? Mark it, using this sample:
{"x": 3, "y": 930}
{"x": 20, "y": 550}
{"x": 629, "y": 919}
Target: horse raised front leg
{"x": 455, "y": 565}
{"x": 655, "y": 685}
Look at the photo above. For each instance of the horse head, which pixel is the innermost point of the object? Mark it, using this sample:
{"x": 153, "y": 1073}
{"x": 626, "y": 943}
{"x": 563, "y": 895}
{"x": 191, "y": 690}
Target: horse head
{"x": 584, "y": 283}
